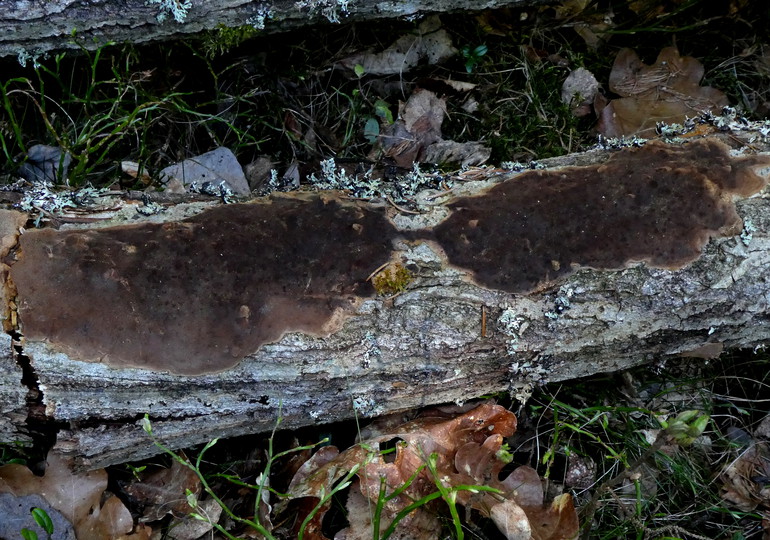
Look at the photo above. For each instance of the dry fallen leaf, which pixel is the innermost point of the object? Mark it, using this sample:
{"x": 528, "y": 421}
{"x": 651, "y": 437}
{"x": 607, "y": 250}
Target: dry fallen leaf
{"x": 418, "y": 126}
{"x": 77, "y": 496}
{"x": 579, "y": 91}
{"x": 744, "y": 487}
{"x": 416, "y": 135}
{"x": 163, "y": 491}
{"x": 430, "y": 43}
{"x": 467, "y": 449}
{"x": 666, "y": 91}
{"x": 467, "y": 154}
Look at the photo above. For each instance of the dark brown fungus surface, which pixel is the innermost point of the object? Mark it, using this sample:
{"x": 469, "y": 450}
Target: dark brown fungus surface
{"x": 196, "y": 296}
{"x": 658, "y": 204}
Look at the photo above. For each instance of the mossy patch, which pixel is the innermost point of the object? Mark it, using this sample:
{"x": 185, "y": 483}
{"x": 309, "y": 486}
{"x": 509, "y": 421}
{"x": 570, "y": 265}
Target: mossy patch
{"x": 391, "y": 280}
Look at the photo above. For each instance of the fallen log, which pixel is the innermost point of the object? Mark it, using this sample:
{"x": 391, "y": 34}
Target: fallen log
{"x": 216, "y": 320}
{"x": 32, "y": 29}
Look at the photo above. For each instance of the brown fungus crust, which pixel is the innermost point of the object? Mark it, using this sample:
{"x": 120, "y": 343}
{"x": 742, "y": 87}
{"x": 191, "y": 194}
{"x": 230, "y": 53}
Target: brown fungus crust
{"x": 196, "y": 296}
{"x": 657, "y": 204}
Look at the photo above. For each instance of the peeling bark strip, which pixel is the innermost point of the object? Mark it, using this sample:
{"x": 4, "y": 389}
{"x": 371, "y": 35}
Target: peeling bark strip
{"x": 658, "y": 204}
{"x": 197, "y": 296}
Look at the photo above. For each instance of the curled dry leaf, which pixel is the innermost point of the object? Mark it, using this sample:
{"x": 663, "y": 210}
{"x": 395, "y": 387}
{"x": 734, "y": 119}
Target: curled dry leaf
{"x": 163, "y": 491}
{"x": 666, "y": 91}
{"x": 418, "y": 126}
{"x": 511, "y": 520}
{"x": 314, "y": 478}
{"x": 190, "y": 528}
{"x": 468, "y": 450}
{"x": 467, "y": 154}
{"x": 77, "y": 496}
{"x": 579, "y": 91}
{"x": 429, "y": 43}
{"x": 416, "y": 135}
{"x": 741, "y": 488}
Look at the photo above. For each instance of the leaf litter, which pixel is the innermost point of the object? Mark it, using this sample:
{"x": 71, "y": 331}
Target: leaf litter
{"x": 667, "y": 91}
{"x": 82, "y": 498}
{"x": 461, "y": 454}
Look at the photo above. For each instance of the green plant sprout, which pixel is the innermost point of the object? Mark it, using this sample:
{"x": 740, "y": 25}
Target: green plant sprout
{"x": 43, "y": 520}
{"x": 473, "y": 56}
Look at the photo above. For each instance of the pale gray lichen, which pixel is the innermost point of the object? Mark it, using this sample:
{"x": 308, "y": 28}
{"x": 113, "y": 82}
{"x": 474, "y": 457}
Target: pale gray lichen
{"x": 177, "y": 8}
{"x": 561, "y": 303}
{"x": 364, "y": 186}
{"x": 276, "y": 183}
{"x": 517, "y": 166}
{"x": 748, "y": 231}
{"x": 731, "y": 121}
{"x": 521, "y": 392}
{"x": 41, "y": 199}
{"x": 513, "y": 326}
{"x": 149, "y": 208}
{"x": 366, "y": 406}
{"x": 617, "y": 143}
{"x": 333, "y": 177}
{"x": 25, "y": 56}
{"x": 372, "y": 351}
{"x": 259, "y": 19}
{"x": 330, "y": 9}
{"x": 221, "y": 190}
{"x": 526, "y": 376}
{"x": 675, "y": 130}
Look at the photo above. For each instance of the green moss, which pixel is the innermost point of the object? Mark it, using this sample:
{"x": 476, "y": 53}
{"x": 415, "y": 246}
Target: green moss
{"x": 224, "y": 38}
{"x": 392, "y": 280}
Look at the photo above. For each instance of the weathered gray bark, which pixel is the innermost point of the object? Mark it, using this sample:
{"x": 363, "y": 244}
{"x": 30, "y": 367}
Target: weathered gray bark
{"x": 443, "y": 340}
{"x": 30, "y": 28}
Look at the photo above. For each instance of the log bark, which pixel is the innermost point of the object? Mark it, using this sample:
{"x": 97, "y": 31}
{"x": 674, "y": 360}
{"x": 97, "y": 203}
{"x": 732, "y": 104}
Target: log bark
{"x": 29, "y": 29}
{"x": 446, "y": 338}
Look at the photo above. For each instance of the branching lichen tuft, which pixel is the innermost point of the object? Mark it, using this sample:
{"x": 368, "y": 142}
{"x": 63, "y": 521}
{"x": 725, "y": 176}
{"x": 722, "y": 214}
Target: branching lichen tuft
{"x": 177, "y": 8}
{"x": 330, "y": 9}
{"x": 513, "y": 326}
{"x": 747, "y": 234}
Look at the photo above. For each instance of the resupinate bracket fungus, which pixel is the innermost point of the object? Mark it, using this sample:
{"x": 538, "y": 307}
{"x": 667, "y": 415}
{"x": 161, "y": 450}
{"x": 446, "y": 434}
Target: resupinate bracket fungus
{"x": 198, "y": 295}
{"x": 658, "y": 204}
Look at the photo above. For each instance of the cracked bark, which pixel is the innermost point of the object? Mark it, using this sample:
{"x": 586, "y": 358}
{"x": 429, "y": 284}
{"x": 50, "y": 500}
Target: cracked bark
{"x": 33, "y": 28}
{"x": 423, "y": 347}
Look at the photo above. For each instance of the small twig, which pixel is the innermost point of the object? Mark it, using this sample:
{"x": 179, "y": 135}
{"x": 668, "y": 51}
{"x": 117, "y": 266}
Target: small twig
{"x": 437, "y": 195}
{"x": 377, "y": 271}
{"x": 483, "y": 321}
{"x": 401, "y": 208}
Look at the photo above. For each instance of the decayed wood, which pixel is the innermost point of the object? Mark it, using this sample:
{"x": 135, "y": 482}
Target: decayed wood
{"x": 33, "y": 28}
{"x": 444, "y": 339}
